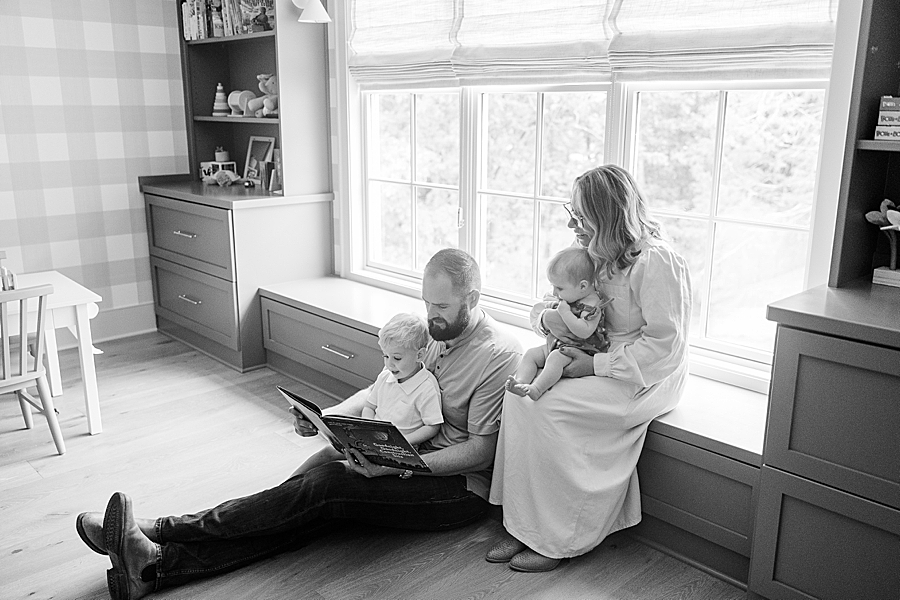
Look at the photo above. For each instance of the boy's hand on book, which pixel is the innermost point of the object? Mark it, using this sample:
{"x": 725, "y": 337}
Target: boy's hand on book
{"x": 302, "y": 426}
{"x": 359, "y": 464}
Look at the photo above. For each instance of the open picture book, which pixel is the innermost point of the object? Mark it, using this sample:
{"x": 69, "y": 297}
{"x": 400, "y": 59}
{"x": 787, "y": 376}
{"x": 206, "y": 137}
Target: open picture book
{"x": 379, "y": 441}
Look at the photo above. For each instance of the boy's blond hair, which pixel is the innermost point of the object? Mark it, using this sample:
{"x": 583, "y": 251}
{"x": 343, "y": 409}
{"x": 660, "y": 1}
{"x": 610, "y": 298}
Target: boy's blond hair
{"x": 574, "y": 263}
{"x": 406, "y": 331}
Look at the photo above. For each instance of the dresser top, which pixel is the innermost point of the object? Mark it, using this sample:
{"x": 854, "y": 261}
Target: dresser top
{"x": 860, "y": 311}
{"x": 232, "y": 197}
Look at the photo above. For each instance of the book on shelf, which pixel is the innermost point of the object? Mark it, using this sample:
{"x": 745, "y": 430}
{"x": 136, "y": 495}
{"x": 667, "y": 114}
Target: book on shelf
{"x": 202, "y": 19}
{"x": 886, "y": 276}
{"x": 379, "y": 441}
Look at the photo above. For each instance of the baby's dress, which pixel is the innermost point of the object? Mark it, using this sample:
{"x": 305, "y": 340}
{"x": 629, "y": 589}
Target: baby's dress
{"x": 593, "y": 344}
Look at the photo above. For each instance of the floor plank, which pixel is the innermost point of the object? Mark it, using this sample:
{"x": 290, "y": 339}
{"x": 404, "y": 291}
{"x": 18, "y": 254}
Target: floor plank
{"x": 183, "y": 432}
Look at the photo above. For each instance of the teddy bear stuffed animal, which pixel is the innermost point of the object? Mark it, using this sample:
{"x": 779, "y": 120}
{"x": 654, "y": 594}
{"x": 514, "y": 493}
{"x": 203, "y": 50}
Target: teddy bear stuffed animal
{"x": 267, "y": 104}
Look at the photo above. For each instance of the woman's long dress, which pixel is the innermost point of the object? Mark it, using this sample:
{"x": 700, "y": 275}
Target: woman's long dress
{"x": 565, "y": 469}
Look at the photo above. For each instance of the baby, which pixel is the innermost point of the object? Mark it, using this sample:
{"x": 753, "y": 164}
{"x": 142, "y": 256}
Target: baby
{"x": 405, "y": 392}
{"x": 571, "y": 273}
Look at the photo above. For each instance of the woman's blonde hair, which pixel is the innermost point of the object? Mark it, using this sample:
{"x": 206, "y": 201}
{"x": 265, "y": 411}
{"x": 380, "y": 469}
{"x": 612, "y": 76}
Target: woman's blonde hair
{"x": 612, "y": 204}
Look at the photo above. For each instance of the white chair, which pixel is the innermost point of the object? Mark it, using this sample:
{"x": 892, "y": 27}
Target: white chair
{"x": 20, "y": 368}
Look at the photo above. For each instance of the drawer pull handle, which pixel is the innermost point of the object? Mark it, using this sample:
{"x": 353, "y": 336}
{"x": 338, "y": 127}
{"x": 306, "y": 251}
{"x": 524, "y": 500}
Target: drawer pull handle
{"x": 186, "y": 234}
{"x": 328, "y": 348}
{"x": 190, "y": 300}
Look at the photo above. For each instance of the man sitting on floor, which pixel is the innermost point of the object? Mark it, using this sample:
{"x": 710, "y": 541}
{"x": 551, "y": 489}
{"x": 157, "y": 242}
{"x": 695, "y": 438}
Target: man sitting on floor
{"x": 471, "y": 360}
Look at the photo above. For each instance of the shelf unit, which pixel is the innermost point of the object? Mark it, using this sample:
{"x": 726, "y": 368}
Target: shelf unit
{"x": 871, "y": 169}
{"x": 211, "y": 247}
{"x": 234, "y": 62}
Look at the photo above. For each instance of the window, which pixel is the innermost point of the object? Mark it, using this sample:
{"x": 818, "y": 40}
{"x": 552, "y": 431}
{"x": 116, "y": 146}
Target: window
{"x": 730, "y": 172}
{"x": 522, "y": 157}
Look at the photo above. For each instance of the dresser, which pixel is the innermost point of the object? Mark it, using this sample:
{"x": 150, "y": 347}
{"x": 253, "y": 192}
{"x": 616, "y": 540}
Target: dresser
{"x": 212, "y": 248}
{"x": 828, "y": 513}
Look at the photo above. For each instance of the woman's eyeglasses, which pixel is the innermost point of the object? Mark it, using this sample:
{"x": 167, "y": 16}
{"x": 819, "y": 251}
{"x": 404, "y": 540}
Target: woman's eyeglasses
{"x": 579, "y": 220}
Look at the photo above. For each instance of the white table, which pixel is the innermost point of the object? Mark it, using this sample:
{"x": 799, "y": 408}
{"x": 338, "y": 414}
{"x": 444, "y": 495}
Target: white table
{"x": 71, "y": 305}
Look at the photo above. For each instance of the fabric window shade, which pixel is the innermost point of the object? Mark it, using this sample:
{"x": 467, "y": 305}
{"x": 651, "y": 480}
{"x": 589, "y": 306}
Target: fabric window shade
{"x": 472, "y": 42}
{"x": 402, "y": 41}
{"x": 724, "y": 38}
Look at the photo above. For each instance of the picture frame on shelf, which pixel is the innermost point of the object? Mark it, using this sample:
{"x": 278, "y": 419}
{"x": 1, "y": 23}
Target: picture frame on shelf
{"x": 259, "y": 151}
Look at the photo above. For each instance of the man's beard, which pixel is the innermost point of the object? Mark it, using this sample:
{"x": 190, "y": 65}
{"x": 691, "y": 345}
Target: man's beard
{"x": 448, "y": 331}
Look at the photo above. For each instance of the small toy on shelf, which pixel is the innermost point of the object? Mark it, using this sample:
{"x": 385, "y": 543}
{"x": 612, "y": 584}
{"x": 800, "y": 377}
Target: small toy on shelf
{"x": 223, "y": 178}
{"x": 221, "y": 154}
{"x": 220, "y": 105}
{"x": 888, "y": 219}
{"x": 238, "y": 101}
{"x": 211, "y": 167}
{"x": 267, "y": 104}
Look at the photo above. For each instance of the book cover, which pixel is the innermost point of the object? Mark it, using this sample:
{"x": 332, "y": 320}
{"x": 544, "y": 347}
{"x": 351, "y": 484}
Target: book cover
{"x": 258, "y": 15}
{"x": 379, "y": 441}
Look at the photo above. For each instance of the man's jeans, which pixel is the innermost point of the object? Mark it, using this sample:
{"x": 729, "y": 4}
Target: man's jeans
{"x": 238, "y": 532}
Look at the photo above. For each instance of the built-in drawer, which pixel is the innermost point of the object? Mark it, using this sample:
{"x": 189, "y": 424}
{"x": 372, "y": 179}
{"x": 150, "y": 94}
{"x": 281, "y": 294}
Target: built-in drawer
{"x": 340, "y": 351}
{"x": 194, "y": 235}
{"x": 813, "y": 541}
{"x": 701, "y": 492}
{"x": 200, "y": 302}
{"x": 833, "y": 413}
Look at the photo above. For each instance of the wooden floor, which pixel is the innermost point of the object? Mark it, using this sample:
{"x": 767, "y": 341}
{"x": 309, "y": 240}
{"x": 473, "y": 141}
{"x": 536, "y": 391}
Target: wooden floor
{"x": 182, "y": 432}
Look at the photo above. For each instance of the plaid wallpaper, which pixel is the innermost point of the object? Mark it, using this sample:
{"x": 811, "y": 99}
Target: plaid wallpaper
{"x": 90, "y": 98}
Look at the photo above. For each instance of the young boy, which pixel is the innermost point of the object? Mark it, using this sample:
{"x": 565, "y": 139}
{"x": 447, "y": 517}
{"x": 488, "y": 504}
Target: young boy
{"x": 405, "y": 392}
{"x": 571, "y": 273}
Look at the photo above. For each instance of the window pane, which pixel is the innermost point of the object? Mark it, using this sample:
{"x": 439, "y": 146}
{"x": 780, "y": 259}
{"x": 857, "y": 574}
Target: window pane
{"x": 507, "y": 225}
{"x": 675, "y": 148}
{"x": 436, "y": 218}
{"x": 553, "y": 236}
{"x": 437, "y": 138}
{"x": 770, "y": 151}
{"x": 390, "y": 224}
{"x": 574, "y": 128}
{"x": 688, "y": 238}
{"x": 388, "y": 146}
{"x": 753, "y": 266}
{"x": 509, "y": 144}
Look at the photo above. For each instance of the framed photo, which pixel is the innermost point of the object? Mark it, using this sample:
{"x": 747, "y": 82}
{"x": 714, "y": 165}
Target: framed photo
{"x": 259, "y": 151}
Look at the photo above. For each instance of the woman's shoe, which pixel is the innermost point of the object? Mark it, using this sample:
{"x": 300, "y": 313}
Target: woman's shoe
{"x": 529, "y": 561}
{"x": 504, "y": 550}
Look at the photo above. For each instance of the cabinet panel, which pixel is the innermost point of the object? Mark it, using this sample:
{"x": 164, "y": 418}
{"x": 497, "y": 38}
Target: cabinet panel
{"x": 194, "y": 235}
{"x": 701, "y": 492}
{"x": 833, "y": 413}
{"x": 195, "y": 300}
{"x": 341, "y": 351}
{"x": 813, "y": 541}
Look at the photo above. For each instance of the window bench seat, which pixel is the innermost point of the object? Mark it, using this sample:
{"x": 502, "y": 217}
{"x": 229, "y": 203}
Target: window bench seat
{"x": 700, "y": 463}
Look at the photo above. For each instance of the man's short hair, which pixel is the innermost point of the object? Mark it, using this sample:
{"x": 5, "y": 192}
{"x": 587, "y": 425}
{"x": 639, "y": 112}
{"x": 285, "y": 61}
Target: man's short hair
{"x": 460, "y": 267}
{"x": 573, "y": 263}
{"x": 406, "y": 331}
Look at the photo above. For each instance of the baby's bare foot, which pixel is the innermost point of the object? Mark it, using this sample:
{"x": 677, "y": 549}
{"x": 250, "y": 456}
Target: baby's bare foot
{"x": 512, "y": 385}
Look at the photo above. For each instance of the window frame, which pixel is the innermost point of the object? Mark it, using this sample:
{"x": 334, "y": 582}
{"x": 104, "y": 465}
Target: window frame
{"x": 619, "y": 149}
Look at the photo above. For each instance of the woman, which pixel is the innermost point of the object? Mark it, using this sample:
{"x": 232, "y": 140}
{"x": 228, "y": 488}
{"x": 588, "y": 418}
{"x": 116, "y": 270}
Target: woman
{"x": 565, "y": 469}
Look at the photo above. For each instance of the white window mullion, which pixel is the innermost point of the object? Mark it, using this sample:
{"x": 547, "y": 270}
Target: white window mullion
{"x": 412, "y": 178}
{"x": 468, "y": 167}
{"x": 536, "y": 205}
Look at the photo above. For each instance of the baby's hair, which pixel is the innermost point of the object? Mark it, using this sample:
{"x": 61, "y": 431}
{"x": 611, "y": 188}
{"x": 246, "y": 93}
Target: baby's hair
{"x": 405, "y": 330}
{"x": 574, "y": 263}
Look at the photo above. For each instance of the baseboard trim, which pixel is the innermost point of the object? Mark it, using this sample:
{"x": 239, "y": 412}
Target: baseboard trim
{"x": 113, "y": 324}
